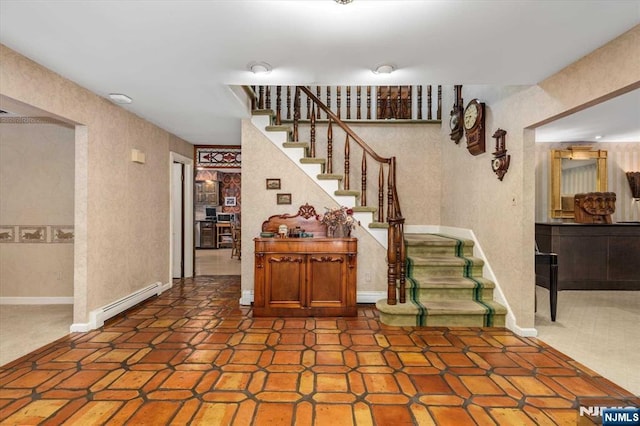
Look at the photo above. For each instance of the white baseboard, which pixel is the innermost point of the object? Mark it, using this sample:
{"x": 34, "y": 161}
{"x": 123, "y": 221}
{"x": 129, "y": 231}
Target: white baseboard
{"x": 361, "y": 297}
{"x": 36, "y": 300}
{"x": 370, "y": 296}
{"x": 247, "y": 297}
{"x": 97, "y": 317}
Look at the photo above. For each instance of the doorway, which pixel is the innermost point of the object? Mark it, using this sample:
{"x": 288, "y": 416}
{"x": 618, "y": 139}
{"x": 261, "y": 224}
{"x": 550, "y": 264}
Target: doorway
{"x": 181, "y": 217}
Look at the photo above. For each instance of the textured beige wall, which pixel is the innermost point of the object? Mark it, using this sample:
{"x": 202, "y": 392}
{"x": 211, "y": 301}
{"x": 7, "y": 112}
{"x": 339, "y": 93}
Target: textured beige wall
{"x": 502, "y": 214}
{"x": 262, "y": 160}
{"x": 36, "y": 188}
{"x": 127, "y": 204}
{"x": 621, "y": 158}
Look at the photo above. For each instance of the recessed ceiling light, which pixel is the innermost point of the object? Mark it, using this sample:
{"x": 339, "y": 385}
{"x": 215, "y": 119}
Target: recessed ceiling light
{"x": 119, "y": 98}
{"x": 384, "y": 69}
{"x": 259, "y": 67}
{"x": 343, "y": 1}
{"x": 598, "y": 137}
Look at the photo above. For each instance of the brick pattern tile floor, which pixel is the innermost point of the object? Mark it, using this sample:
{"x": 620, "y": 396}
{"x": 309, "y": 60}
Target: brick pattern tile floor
{"x": 194, "y": 356}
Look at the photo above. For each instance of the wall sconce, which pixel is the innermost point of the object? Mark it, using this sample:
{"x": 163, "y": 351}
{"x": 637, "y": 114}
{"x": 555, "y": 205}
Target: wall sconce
{"x": 634, "y": 184}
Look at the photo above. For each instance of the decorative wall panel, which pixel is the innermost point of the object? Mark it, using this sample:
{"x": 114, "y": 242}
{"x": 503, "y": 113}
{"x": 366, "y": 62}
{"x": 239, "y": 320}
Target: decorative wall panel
{"x": 219, "y": 157}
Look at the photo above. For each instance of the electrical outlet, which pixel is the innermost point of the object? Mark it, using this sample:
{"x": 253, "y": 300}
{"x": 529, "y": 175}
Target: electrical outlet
{"x": 367, "y": 277}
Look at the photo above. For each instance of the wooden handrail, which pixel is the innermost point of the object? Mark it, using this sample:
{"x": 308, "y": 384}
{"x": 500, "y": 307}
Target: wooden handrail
{"x": 344, "y": 126}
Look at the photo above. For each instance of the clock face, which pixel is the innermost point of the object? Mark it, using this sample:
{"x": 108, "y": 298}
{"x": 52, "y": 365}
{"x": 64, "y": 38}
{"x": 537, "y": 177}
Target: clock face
{"x": 470, "y": 115}
{"x": 496, "y": 164}
{"x": 453, "y": 121}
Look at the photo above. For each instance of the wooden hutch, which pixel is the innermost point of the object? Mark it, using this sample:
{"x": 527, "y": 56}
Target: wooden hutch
{"x": 312, "y": 276}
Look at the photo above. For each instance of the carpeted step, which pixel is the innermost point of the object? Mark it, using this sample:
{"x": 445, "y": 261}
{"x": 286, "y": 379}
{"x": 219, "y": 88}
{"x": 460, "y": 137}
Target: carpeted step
{"x": 450, "y": 288}
{"x": 437, "y": 245}
{"x": 443, "y": 313}
{"x": 424, "y": 268}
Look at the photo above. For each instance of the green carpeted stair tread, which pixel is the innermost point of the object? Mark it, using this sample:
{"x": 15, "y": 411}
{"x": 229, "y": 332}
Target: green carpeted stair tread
{"x": 262, "y": 112}
{"x": 309, "y": 160}
{"x": 445, "y": 261}
{"x": 433, "y": 240}
{"x": 452, "y": 282}
{"x": 295, "y": 144}
{"x": 279, "y": 128}
{"x": 462, "y": 307}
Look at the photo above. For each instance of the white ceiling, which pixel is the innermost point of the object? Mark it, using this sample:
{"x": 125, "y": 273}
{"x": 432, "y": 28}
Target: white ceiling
{"x": 176, "y": 59}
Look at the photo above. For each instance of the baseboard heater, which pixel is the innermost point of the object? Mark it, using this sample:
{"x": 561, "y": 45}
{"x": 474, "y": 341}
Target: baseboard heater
{"x": 98, "y": 316}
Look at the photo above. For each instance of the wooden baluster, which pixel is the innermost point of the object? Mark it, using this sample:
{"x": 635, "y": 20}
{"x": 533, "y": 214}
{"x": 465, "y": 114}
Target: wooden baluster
{"x": 363, "y": 181}
{"x": 318, "y": 96}
{"x": 392, "y": 261}
{"x": 312, "y": 144}
{"x": 402, "y": 257}
{"x": 368, "y": 102}
{"x": 381, "y": 194}
{"x": 409, "y": 102}
{"x": 388, "y": 111}
{"x": 345, "y": 181}
{"x": 338, "y": 100}
{"x": 261, "y": 97}
{"x": 288, "y": 102}
{"x": 358, "y": 102}
{"x": 439, "y": 103}
{"x": 348, "y": 102}
{"x": 278, "y": 104}
{"x": 429, "y": 115}
{"x": 296, "y": 113}
{"x": 329, "y": 147}
{"x": 399, "y": 113}
{"x": 268, "y": 97}
{"x": 254, "y": 104}
{"x": 308, "y": 107}
{"x": 420, "y": 102}
{"x": 328, "y": 98}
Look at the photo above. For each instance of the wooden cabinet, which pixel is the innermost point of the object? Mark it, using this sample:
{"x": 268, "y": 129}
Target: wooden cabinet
{"x": 592, "y": 256}
{"x": 305, "y": 277}
{"x": 207, "y": 234}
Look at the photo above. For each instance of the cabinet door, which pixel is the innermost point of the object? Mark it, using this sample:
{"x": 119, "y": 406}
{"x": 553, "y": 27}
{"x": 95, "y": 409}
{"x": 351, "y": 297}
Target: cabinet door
{"x": 327, "y": 278}
{"x": 284, "y": 281}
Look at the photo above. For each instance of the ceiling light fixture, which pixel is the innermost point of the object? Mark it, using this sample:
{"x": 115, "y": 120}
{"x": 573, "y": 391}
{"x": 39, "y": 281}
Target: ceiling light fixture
{"x": 259, "y": 67}
{"x": 343, "y": 1}
{"x": 597, "y": 137}
{"x": 119, "y": 98}
{"x": 384, "y": 69}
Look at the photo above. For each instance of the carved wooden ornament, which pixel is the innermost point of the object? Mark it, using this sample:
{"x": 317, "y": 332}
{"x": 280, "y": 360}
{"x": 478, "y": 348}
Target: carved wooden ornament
{"x": 500, "y": 162}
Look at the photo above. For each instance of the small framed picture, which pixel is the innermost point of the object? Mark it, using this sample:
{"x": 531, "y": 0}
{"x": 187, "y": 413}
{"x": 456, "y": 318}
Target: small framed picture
{"x": 283, "y": 198}
{"x": 273, "y": 183}
{"x": 230, "y": 201}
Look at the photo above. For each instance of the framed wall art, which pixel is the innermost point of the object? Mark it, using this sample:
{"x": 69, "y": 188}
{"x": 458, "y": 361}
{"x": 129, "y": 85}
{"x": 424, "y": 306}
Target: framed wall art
{"x": 283, "y": 198}
{"x": 273, "y": 183}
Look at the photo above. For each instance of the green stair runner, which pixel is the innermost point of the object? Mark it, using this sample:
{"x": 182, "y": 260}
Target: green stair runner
{"x": 444, "y": 286}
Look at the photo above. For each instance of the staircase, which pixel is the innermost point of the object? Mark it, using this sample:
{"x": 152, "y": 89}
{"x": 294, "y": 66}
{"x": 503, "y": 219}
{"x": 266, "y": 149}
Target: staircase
{"x": 445, "y": 287}
{"x": 444, "y": 284}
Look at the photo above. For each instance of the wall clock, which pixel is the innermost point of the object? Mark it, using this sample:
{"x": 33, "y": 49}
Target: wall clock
{"x": 473, "y": 121}
{"x": 455, "y": 121}
{"x": 500, "y": 162}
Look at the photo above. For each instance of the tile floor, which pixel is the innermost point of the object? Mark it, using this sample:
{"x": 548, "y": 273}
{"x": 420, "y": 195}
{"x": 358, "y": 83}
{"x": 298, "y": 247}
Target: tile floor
{"x": 194, "y": 356}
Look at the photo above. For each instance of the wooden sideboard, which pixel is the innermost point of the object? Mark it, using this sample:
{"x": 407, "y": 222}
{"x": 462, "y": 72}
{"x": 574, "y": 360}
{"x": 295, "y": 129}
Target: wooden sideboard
{"x": 592, "y": 256}
{"x": 305, "y": 277}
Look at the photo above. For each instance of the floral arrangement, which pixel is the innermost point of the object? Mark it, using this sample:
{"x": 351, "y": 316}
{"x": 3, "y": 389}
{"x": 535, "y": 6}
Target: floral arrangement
{"x": 339, "y": 217}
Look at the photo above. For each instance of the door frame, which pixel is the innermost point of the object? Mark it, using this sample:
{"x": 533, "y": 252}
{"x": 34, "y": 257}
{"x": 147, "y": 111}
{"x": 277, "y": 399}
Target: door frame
{"x": 187, "y": 215}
